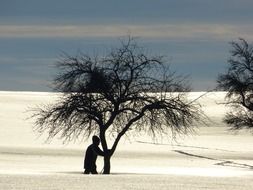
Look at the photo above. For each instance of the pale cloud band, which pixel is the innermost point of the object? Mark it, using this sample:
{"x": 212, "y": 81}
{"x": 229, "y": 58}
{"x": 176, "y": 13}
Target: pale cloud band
{"x": 178, "y": 31}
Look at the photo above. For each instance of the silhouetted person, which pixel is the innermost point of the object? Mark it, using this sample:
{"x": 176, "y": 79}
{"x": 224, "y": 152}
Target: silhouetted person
{"x": 91, "y": 156}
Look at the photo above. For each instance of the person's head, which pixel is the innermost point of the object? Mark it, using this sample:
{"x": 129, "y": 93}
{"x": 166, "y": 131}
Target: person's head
{"x": 95, "y": 140}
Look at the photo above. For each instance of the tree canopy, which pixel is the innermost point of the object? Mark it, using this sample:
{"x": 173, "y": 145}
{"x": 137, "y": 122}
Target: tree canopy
{"x": 238, "y": 82}
{"x": 125, "y": 90}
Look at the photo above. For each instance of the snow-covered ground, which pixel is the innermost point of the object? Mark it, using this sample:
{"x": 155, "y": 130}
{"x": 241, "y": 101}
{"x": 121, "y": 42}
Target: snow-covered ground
{"x": 212, "y": 158}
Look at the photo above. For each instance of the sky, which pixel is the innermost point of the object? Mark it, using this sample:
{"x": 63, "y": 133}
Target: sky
{"x": 193, "y": 35}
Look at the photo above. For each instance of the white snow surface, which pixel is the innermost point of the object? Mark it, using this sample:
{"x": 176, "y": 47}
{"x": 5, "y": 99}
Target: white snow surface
{"x": 211, "y": 158}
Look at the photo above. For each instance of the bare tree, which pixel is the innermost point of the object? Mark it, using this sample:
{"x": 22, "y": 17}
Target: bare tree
{"x": 238, "y": 82}
{"x": 126, "y": 90}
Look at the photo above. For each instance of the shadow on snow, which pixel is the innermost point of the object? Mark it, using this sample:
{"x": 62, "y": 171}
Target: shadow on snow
{"x": 221, "y": 162}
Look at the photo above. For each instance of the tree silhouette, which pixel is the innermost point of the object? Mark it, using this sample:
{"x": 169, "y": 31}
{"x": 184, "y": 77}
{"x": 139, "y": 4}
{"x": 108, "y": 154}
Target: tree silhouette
{"x": 238, "y": 82}
{"x": 125, "y": 90}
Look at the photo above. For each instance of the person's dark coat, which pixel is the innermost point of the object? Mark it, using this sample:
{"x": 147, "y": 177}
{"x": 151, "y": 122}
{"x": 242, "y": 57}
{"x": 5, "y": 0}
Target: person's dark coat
{"x": 90, "y": 158}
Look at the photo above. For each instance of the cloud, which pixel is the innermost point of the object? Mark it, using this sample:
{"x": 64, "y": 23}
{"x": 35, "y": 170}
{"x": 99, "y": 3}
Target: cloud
{"x": 178, "y": 31}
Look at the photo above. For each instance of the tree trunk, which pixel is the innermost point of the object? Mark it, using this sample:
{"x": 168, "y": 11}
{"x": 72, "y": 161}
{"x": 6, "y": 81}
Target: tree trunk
{"x": 107, "y": 164}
